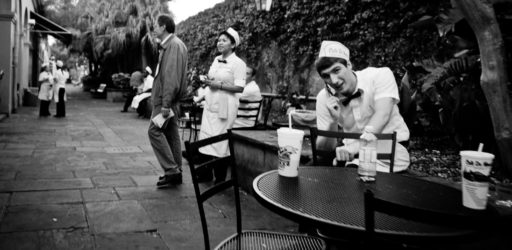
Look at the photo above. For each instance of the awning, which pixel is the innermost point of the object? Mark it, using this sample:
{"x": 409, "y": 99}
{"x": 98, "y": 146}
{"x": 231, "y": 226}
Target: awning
{"x": 45, "y": 25}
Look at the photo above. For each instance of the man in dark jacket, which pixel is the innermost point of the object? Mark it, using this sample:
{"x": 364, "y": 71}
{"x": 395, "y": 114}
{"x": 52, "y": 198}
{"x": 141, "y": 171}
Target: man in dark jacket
{"x": 169, "y": 86}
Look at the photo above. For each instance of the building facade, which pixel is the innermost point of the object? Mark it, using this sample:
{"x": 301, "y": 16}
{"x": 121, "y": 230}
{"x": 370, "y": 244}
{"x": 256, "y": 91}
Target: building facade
{"x": 23, "y": 48}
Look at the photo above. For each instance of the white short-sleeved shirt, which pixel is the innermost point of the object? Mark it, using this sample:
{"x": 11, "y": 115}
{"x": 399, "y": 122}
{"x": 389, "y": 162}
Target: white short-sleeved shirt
{"x": 148, "y": 83}
{"x": 374, "y": 83}
{"x": 252, "y": 93}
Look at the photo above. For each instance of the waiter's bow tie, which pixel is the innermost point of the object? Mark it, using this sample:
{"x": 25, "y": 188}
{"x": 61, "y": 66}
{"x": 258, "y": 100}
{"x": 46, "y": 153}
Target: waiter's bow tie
{"x": 348, "y": 99}
{"x": 222, "y": 61}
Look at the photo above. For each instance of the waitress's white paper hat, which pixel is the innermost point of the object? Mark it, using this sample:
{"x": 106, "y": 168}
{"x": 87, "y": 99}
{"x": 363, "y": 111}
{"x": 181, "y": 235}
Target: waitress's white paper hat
{"x": 234, "y": 34}
{"x": 334, "y": 49}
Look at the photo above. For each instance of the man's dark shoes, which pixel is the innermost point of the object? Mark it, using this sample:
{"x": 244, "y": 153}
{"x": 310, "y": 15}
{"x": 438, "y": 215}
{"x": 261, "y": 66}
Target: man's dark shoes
{"x": 169, "y": 180}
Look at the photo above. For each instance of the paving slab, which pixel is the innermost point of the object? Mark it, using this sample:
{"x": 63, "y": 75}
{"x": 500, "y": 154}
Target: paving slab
{"x": 65, "y": 144}
{"x": 112, "y": 181}
{"x": 131, "y": 241}
{"x": 34, "y": 185}
{"x": 4, "y": 200}
{"x": 142, "y": 193}
{"x": 90, "y": 149}
{"x": 145, "y": 180}
{"x": 99, "y": 194}
{"x": 188, "y": 234}
{"x": 178, "y": 209}
{"x": 46, "y": 197}
{"x": 19, "y": 146}
{"x": 76, "y": 239}
{"x": 96, "y": 144}
{"x": 118, "y": 216}
{"x": 13, "y": 153}
{"x": 34, "y": 175}
{"x": 125, "y": 149}
{"x": 42, "y": 217}
{"x": 88, "y": 173}
{"x": 7, "y": 175}
{"x": 21, "y": 240}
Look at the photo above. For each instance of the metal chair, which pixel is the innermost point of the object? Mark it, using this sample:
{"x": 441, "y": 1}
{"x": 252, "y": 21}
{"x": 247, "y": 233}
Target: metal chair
{"x": 192, "y": 122}
{"x": 341, "y": 135}
{"x": 374, "y": 204}
{"x": 249, "y": 110}
{"x": 242, "y": 239}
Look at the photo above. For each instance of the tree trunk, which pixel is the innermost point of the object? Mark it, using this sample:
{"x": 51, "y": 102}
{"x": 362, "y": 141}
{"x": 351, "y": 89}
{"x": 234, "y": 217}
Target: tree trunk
{"x": 494, "y": 79}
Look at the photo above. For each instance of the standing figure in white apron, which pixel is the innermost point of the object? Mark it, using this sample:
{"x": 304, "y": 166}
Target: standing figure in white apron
{"x": 60, "y": 90}
{"x": 45, "y": 90}
{"x": 226, "y": 78}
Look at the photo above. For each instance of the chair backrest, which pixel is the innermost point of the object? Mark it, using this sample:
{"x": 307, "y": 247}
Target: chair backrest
{"x": 341, "y": 135}
{"x": 208, "y": 192}
{"x": 374, "y": 204}
{"x": 249, "y": 110}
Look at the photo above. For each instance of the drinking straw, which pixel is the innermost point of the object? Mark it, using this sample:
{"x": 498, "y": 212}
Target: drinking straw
{"x": 290, "y": 119}
{"x": 480, "y": 147}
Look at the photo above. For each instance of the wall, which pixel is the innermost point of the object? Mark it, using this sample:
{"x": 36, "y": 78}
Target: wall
{"x": 7, "y": 19}
{"x": 15, "y": 52}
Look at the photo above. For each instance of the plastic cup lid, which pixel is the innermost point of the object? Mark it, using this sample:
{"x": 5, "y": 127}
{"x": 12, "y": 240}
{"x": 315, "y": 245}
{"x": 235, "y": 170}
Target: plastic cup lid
{"x": 477, "y": 154}
{"x": 290, "y": 131}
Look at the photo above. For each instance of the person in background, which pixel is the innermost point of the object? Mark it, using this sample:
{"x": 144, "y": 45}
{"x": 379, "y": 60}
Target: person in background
{"x": 45, "y": 90}
{"x": 136, "y": 80}
{"x": 358, "y": 102}
{"x": 60, "y": 90}
{"x": 251, "y": 93}
{"x": 169, "y": 87}
{"x": 226, "y": 78}
{"x": 65, "y": 71}
{"x": 143, "y": 92}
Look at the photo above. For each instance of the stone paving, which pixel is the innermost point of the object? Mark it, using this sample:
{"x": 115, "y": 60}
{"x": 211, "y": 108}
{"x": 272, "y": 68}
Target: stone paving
{"x": 87, "y": 181}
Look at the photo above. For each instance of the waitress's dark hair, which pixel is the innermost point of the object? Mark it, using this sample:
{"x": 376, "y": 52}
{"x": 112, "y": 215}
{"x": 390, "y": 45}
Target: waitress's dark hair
{"x": 323, "y": 63}
{"x": 167, "y": 21}
{"x": 230, "y": 37}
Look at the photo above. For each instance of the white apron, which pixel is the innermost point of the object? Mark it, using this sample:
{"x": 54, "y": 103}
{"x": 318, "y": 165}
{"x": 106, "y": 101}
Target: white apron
{"x": 219, "y": 112}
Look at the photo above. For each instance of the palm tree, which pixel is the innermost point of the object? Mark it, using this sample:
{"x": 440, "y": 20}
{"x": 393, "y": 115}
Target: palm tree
{"x": 116, "y": 35}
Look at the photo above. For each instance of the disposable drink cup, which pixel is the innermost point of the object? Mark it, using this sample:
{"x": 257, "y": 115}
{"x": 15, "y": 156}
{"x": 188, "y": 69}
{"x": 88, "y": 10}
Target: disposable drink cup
{"x": 476, "y": 167}
{"x": 290, "y": 146}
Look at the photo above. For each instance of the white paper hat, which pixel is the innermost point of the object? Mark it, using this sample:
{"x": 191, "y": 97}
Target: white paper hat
{"x": 148, "y": 69}
{"x": 234, "y": 34}
{"x": 334, "y": 49}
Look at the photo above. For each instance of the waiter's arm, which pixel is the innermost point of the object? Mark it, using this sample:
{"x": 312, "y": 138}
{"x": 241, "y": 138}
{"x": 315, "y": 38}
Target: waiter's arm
{"x": 380, "y": 118}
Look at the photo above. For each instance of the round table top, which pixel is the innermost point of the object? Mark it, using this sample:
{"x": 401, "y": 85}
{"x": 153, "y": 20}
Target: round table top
{"x": 334, "y": 198}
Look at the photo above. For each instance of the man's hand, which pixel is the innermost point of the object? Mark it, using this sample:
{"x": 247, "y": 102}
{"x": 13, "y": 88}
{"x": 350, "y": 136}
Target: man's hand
{"x": 166, "y": 112}
{"x": 333, "y": 106}
{"x": 342, "y": 154}
{"x": 368, "y": 134}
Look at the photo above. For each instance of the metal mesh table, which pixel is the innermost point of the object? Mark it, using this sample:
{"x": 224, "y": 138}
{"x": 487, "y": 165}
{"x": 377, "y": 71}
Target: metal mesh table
{"x": 334, "y": 198}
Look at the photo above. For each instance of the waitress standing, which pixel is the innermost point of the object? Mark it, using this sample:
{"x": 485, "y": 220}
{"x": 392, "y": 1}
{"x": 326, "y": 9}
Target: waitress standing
{"x": 226, "y": 78}
{"x": 45, "y": 90}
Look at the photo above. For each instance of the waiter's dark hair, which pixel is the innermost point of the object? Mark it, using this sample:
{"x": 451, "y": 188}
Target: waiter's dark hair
{"x": 323, "y": 63}
{"x": 253, "y": 72}
{"x": 167, "y": 21}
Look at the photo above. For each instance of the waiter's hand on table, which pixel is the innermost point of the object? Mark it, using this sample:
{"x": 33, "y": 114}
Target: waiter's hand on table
{"x": 343, "y": 154}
